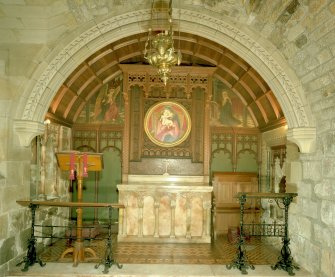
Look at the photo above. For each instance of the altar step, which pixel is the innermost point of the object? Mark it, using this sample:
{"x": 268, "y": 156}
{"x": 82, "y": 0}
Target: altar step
{"x": 147, "y": 270}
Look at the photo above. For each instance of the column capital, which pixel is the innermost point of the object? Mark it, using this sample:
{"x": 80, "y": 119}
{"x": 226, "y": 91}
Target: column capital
{"x": 27, "y": 130}
{"x": 303, "y": 137}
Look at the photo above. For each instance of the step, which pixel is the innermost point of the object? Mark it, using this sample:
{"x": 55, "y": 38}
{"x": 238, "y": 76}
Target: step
{"x": 147, "y": 270}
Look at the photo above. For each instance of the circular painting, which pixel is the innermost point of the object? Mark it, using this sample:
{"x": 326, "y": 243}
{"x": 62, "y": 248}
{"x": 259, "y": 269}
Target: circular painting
{"x": 167, "y": 124}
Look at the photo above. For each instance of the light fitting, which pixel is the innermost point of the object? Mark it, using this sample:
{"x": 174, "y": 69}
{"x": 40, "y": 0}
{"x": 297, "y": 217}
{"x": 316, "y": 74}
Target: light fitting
{"x": 159, "y": 48}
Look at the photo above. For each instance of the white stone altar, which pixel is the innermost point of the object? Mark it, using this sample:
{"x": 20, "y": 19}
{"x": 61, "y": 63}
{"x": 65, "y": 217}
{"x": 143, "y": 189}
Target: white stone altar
{"x": 165, "y": 209}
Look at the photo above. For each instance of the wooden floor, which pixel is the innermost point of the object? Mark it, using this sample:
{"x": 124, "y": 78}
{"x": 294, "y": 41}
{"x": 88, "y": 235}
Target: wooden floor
{"x": 221, "y": 251}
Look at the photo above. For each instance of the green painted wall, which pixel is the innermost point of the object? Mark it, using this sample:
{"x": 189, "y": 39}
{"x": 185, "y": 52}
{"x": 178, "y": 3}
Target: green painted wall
{"x": 221, "y": 161}
{"x": 247, "y": 162}
{"x": 108, "y": 179}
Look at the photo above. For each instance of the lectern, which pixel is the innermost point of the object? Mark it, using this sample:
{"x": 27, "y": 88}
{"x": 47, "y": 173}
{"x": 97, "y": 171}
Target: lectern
{"x": 81, "y": 163}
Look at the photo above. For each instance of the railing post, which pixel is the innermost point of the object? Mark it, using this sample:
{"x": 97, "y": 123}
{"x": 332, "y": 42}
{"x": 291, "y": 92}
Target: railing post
{"x": 31, "y": 258}
{"x": 108, "y": 260}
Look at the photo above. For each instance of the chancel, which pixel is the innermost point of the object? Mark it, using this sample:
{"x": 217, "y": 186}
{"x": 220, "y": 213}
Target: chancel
{"x": 214, "y": 121}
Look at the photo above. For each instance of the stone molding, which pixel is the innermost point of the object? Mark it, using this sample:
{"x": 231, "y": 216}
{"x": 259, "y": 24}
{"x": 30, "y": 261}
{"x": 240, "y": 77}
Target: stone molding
{"x": 305, "y": 138}
{"x": 270, "y": 64}
{"x": 27, "y": 130}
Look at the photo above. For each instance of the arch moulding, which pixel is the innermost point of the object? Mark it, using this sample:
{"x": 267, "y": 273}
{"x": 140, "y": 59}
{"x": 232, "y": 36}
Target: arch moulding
{"x": 258, "y": 52}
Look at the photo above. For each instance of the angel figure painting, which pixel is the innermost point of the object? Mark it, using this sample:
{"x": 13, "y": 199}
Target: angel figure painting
{"x": 107, "y": 106}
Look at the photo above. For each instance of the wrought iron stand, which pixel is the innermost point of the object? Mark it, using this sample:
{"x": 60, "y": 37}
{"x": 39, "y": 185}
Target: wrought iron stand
{"x": 31, "y": 258}
{"x": 241, "y": 260}
{"x": 108, "y": 260}
{"x": 285, "y": 260}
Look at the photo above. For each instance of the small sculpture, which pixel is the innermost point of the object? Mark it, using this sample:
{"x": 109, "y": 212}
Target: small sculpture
{"x": 282, "y": 184}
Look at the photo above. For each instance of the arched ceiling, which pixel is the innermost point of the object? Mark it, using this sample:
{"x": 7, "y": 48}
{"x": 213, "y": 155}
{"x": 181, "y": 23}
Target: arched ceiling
{"x": 103, "y": 66}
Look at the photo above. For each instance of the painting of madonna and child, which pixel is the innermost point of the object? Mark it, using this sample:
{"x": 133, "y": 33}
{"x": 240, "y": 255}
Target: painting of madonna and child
{"x": 227, "y": 109}
{"x": 106, "y": 106}
{"x": 167, "y": 124}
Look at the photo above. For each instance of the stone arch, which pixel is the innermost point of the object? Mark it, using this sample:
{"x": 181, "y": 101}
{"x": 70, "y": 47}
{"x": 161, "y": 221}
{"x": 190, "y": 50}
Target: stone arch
{"x": 258, "y": 52}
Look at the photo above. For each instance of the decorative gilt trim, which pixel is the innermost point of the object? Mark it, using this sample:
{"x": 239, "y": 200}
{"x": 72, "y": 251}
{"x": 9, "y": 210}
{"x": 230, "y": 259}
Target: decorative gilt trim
{"x": 27, "y": 130}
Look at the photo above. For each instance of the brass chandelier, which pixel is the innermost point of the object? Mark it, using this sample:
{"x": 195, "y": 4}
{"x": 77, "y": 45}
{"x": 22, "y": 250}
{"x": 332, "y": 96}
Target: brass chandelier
{"x": 159, "y": 48}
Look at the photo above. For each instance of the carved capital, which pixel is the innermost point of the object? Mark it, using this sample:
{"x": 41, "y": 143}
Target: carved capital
{"x": 27, "y": 130}
{"x": 303, "y": 137}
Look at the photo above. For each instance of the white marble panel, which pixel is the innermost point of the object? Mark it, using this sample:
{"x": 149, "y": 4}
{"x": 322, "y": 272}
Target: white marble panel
{"x": 165, "y": 213}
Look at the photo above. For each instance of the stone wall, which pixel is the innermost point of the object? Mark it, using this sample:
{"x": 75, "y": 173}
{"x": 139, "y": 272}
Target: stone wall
{"x": 313, "y": 216}
{"x": 309, "y": 47}
{"x": 14, "y": 184}
{"x": 303, "y": 33}
{"x": 22, "y": 181}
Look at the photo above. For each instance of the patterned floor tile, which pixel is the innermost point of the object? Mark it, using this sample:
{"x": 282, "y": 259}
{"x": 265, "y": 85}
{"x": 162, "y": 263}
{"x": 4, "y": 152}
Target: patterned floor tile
{"x": 219, "y": 252}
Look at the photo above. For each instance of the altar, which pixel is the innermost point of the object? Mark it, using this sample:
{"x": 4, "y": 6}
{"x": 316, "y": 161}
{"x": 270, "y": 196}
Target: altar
{"x": 165, "y": 208}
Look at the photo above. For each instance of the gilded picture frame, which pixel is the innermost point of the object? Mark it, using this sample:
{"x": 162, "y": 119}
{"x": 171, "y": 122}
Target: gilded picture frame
{"x": 167, "y": 124}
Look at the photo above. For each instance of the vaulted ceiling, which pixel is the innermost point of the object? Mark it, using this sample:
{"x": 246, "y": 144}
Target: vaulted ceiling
{"x": 103, "y": 66}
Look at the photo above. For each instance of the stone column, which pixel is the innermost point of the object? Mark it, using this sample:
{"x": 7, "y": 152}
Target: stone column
{"x": 156, "y": 205}
{"x": 140, "y": 216}
{"x": 206, "y": 218}
{"x": 125, "y": 218}
{"x": 188, "y": 218}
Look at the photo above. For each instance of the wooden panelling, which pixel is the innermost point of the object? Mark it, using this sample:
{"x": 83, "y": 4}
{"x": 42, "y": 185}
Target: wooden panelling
{"x": 226, "y": 185}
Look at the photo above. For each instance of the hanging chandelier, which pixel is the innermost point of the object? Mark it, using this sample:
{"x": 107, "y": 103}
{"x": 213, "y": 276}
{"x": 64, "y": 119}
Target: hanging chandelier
{"x": 159, "y": 48}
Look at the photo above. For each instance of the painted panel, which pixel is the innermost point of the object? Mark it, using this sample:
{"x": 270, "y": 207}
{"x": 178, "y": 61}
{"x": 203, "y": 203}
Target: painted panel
{"x": 106, "y": 105}
{"x": 227, "y": 109}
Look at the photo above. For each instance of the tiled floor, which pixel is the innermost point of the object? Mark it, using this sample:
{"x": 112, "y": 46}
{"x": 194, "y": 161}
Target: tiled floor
{"x": 158, "y": 259}
{"x": 220, "y": 252}
{"x": 149, "y": 270}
